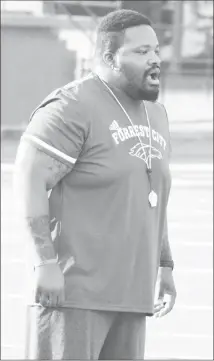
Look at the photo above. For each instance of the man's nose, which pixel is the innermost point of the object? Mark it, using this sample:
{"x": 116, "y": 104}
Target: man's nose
{"x": 154, "y": 60}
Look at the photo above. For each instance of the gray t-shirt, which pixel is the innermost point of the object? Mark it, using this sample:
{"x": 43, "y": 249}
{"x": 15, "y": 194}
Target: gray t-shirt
{"x": 107, "y": 236}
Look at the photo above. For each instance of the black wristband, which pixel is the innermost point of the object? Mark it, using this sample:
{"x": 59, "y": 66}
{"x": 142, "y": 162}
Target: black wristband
{"x": 167, "y": 264}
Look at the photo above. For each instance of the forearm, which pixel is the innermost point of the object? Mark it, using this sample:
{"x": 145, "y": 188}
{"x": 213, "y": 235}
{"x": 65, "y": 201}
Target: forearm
{"x": 39, "y": 232}
{"x": 166, "y": 254}
{"x": 33, "y": 206}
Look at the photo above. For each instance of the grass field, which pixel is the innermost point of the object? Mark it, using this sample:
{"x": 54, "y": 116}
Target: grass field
{"x": 187, "y": 332}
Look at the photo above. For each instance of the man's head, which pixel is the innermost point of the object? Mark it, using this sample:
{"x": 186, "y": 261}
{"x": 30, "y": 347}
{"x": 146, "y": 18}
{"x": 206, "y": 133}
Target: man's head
{"x": 127, "y": 51}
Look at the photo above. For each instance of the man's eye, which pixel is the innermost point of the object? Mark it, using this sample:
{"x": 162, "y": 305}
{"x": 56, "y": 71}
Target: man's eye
{"x": 142, "y": 51}
{"x": 157, "y": 52}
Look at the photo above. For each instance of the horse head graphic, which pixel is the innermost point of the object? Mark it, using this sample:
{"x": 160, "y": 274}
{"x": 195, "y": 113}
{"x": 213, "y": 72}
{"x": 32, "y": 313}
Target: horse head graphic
{"x": 142, "y": 151}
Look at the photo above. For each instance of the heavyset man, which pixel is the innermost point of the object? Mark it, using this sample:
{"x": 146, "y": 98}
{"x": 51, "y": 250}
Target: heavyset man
{"x": 101, "y": 147}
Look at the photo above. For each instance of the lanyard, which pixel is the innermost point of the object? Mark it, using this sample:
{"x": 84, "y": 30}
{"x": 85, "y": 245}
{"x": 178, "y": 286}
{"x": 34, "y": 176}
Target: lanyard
{"x": 152, "y": 194}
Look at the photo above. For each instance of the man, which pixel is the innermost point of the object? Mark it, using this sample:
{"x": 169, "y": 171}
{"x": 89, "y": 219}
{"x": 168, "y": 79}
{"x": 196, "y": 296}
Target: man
{"x": 101, "y": 145}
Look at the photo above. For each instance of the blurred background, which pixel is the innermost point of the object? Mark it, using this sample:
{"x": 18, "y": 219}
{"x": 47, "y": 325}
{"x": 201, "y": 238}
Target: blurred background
{"x": 46, "y": 44}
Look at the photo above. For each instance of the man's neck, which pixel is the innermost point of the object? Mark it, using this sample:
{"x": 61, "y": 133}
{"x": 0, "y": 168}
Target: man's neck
{"x": 115, "y": 84}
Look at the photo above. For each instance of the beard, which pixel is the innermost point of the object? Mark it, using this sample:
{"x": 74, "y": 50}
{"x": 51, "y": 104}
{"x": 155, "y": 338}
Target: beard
{"x": 144, "y": 93}
{"x": 139, "y": 90}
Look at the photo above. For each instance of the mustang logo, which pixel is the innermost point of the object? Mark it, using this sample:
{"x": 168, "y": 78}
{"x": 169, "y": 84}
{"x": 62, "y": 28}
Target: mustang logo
{"x": 142, "y": 151}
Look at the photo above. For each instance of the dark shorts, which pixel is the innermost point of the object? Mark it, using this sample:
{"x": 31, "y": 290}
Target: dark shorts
{"x": 75, "y": 334}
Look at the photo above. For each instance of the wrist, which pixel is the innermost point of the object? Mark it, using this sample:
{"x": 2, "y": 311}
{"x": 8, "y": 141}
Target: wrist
{"x": 167, "y": 264}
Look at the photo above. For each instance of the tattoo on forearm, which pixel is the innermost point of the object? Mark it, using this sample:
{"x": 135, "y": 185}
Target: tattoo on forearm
{"x": 39, "y": 228}
{"x": 56, "y": 171}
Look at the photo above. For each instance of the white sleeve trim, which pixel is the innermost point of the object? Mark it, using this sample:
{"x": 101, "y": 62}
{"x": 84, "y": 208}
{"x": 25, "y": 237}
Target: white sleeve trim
{"x": 49, "y": 148}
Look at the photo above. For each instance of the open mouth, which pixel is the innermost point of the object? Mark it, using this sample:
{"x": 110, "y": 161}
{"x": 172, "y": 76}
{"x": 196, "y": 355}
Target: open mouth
{"x": 153, "y": 77}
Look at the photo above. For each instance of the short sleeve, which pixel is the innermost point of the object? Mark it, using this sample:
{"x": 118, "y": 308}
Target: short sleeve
{"x": 59, "y": 128}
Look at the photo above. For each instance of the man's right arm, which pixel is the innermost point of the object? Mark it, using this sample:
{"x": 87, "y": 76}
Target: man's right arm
{"x": 35, "y": 174}
{"x": 48, "y": 150}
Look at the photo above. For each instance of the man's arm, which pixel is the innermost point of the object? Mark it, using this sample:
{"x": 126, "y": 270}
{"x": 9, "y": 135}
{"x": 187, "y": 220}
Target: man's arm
{"x": 166, "y": 254}
{"x": 165, "y": 287}
{"x": 35, "y": 174}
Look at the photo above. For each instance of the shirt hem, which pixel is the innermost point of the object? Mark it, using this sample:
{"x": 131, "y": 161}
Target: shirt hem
{"x": 144, "y": 310}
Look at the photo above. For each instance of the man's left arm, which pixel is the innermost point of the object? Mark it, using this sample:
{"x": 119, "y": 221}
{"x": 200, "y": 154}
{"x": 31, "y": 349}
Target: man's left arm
{"x": 165, "y": 287}
{"x": 166, "y": 254}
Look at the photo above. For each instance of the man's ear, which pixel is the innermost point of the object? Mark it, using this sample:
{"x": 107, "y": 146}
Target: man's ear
{"x": 108, "y": 59}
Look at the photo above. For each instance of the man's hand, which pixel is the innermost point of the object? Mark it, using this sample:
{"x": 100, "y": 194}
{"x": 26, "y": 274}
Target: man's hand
{"x": 49, "y": 285}
{"x": 165, "y": 292}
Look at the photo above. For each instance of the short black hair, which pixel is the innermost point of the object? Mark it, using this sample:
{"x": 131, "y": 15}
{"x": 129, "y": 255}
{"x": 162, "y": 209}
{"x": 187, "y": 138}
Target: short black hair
{"x": 110, "y": 31}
